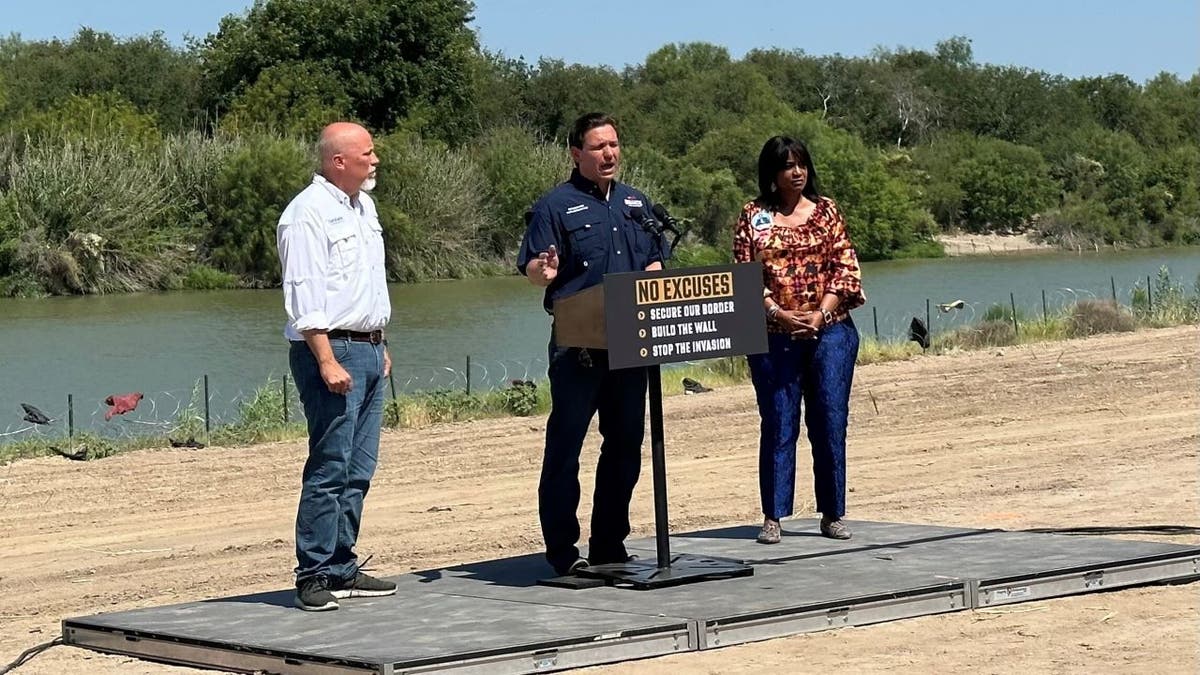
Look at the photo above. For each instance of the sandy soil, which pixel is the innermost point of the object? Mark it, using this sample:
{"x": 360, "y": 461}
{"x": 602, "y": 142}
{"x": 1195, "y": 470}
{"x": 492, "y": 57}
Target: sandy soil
{"x": 990, "y": 244}
{"x": 1100, "y": 431}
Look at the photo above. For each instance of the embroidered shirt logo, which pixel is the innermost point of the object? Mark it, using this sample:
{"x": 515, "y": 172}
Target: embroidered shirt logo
{"x": 632, "y": 202}
{"x": 335, "y": 220}
{"x": 761, "y": 221}
{"x": 577, "y": 208}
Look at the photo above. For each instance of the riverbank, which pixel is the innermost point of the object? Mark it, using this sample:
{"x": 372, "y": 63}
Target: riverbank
{"x": 1098, "y": 431}
{"x": 963, "y": 243}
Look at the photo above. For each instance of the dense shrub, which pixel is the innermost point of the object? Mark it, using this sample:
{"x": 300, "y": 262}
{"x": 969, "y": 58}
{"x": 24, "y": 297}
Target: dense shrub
{"x": 250, "y": 190}
{"x": 988, "y": 333}
{"x": 1092, "y": 317}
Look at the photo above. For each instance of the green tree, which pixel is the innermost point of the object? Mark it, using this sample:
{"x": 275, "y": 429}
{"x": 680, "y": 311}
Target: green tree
{"x": 146, "y": 71}
{"x": 501, "y": 88}
{"x": 1112, "y": 100}
{"x": 295, "y": 99}
{"x": 983, "y": 184}
{"x": 1003, "y": 185}
{"x": 518, "y": 167}
{"x": 393, "y": 57}
{"x": 557, "y": 93}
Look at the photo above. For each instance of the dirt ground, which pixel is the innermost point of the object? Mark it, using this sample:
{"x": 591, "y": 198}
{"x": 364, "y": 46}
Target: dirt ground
{"x": 1100, "y": 431}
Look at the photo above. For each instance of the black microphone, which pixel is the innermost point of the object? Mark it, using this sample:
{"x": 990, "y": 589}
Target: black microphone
{"x": 668, "y": 221}
{"x": 647, "y": 221}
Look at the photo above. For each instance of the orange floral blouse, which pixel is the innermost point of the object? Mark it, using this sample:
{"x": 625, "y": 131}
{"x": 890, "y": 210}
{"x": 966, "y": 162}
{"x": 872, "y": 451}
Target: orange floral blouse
{"x": 803, "y": 263}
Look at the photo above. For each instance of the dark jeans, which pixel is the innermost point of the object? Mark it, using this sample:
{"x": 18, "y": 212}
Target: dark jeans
{"x": 819, "y": 373}
{"x": 343, "y": 448}
{"x": 580, "y": 386}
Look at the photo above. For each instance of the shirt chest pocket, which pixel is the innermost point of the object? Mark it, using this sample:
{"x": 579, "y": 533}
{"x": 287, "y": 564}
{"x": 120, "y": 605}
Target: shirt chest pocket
{"x": 344, "y": 246}
{"x": 375, "y": 232}
{"x": 585, "y": 238}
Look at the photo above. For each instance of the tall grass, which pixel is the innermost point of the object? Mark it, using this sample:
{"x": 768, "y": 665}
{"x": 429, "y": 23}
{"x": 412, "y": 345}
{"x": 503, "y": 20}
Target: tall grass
{"x": 1166, "y": 303}
{"x": 94, "y": 215}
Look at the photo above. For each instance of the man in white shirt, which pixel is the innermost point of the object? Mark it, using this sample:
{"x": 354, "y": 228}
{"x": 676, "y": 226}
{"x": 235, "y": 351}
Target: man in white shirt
{"x": 336, "y": 297}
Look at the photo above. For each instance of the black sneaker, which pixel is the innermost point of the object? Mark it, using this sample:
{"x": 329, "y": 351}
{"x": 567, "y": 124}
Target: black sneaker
{"x": 364, "y": 586}
{"x": 577, "y": 565}
{"x": 312, "y": 595}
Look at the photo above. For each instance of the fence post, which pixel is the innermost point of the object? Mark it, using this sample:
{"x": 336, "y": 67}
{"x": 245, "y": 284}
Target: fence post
{"x": 1045, "y": 312}
{"x": 468, "y": 374}
{"x": 1113, "y": 281}
{"x": 1013, "y": 301}
{"x": 71, "y": 418}
{"x": 875, "y": 318}
{"x": 285, "y": 410}
{"x": 207, "y": 419}
{"x": 928, "y": 322}
{"x": 1149, "y": 297}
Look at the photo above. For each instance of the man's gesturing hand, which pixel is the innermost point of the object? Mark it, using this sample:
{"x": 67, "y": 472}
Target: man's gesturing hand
{"x": 548, "y": 264}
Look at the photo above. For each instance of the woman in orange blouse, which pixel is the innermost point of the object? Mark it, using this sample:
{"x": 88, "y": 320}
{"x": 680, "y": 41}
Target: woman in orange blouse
{"x": 812, "y": 280}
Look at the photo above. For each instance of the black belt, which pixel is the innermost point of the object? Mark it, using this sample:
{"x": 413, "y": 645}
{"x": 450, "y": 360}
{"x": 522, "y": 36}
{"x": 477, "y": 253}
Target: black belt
{"x": 374, "y": 337}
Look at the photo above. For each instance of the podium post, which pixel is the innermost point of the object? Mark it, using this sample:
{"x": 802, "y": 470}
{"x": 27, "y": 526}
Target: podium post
{"x": 645, "y": 319}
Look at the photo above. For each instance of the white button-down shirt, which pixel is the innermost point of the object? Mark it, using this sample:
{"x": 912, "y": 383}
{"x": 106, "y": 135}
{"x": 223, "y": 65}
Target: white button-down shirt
{"x": 331, "y": 250}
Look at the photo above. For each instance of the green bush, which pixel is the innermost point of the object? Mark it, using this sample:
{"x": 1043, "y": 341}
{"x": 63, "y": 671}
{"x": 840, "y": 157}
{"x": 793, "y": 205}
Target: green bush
{"x": 700, "y": 255}
{"x": 520, "y": 399}
{"x": 205, "y": 278}
{"x": 518, "y": 168}
{"x": 78, "y": 119}
{"x": 249, "y": 193}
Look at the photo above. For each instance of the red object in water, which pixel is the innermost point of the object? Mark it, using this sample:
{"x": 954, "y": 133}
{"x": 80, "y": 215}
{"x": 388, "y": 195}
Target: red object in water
{"x": 122, "y": 403}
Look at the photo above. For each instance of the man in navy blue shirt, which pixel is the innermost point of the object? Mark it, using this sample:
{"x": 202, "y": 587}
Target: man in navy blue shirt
{"x": 579, "y": 231}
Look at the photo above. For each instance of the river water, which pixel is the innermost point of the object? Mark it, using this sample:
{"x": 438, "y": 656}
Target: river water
{"x": 163, "y": 344}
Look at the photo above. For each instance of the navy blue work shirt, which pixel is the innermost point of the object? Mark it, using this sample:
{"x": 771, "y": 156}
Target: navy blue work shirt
{"x": 594, "y": 236}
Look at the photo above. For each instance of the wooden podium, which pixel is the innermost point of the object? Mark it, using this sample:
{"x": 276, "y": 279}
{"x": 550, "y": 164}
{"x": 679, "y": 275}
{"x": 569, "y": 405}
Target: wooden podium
{"x": 645, "y": 319}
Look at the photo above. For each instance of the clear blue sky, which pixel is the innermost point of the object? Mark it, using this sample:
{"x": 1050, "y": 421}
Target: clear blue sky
{"x": 1072, "y": 37}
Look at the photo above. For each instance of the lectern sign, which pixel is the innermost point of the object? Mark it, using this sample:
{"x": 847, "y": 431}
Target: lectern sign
{"x": 684, "y": 314}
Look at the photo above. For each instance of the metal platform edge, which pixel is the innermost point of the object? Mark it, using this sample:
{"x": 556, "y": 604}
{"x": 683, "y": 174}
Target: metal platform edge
{"x": 201, "y": 654}
{"x": 536, "y": 658}
{"x": 861, "y": 611}
{"x": 1171, "y": 567}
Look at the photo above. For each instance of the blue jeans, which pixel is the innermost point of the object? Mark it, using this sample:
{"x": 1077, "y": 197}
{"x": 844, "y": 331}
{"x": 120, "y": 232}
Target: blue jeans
{"x": 343, "y": 449}
{"x": 580, "y": 386}
{"x": 819, "y": 373}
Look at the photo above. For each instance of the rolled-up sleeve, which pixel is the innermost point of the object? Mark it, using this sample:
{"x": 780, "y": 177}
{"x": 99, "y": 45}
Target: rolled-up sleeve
{"x": 846, "y": 275}
{"x": 304, "y": 257}
{"x": 540, "y": 234}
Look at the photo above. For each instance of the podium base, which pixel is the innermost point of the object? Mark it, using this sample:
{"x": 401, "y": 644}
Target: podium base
{"x": 683, "y": 569}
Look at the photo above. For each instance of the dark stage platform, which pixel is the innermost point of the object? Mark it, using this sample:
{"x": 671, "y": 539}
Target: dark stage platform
{"x": 493, "y": 617}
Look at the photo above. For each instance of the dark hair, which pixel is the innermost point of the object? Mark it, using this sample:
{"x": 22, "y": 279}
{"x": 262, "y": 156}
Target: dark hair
{"x": 774, "y": 158}
{"x": 586, "y": 123}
